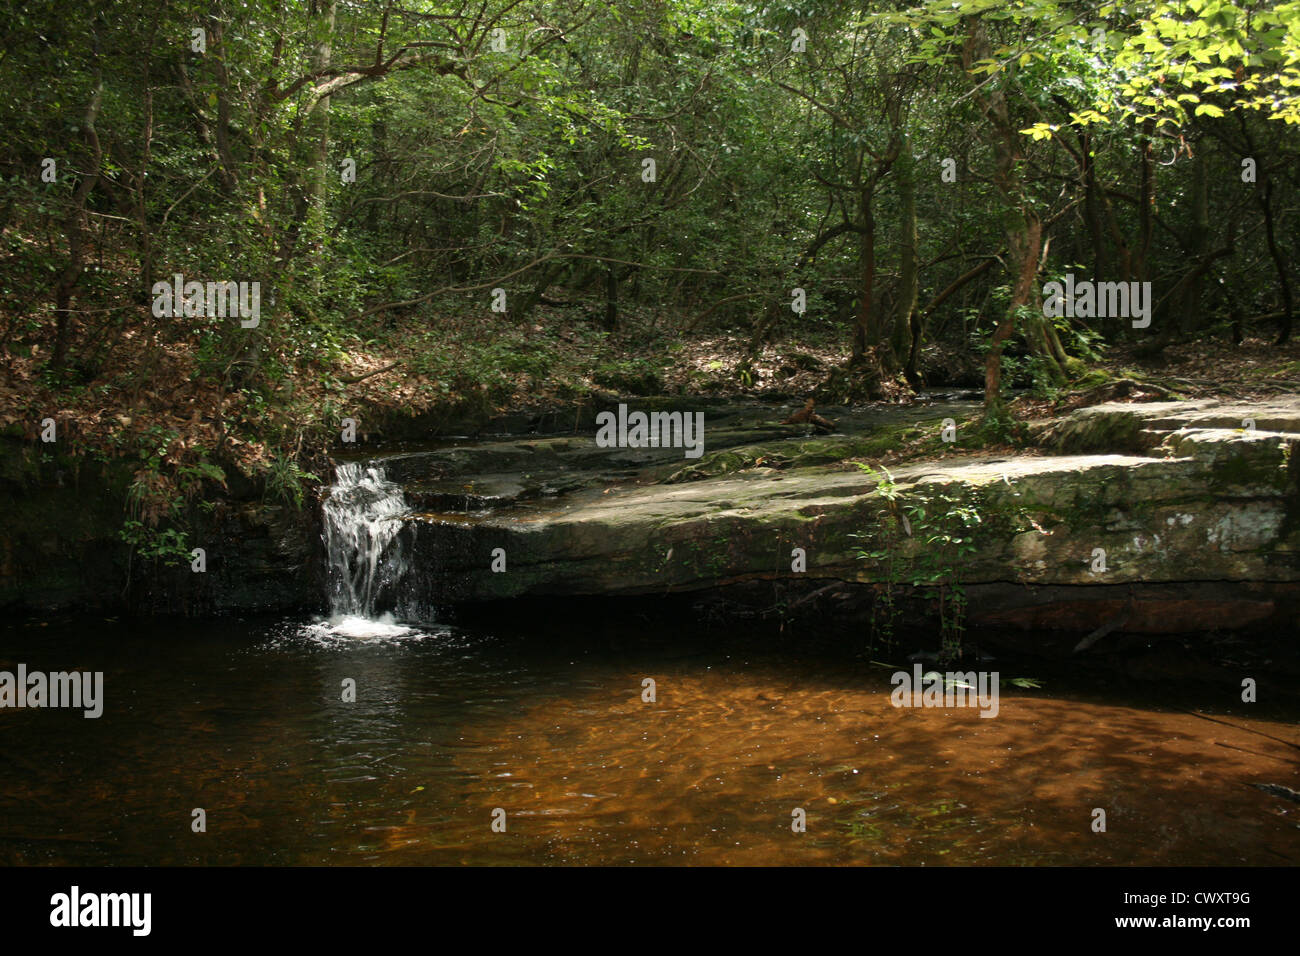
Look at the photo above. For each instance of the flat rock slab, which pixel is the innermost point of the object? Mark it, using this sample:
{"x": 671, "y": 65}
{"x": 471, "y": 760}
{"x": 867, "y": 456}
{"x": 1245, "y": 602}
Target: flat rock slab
{"x": 1203, "y": 502}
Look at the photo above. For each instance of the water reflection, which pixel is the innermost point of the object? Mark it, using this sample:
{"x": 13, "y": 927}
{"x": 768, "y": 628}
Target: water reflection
{"x": 249, "y": 722}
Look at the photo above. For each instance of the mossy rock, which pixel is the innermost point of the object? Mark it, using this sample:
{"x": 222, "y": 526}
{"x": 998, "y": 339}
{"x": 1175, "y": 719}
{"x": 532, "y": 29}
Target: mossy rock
{"x": 1098, "y": 430}
{"x": 1092, "y": 378}
{"x": 798, "y": 454}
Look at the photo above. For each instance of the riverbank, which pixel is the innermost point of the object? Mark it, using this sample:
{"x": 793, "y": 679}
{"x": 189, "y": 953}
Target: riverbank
{"x": 1124, "y": 518}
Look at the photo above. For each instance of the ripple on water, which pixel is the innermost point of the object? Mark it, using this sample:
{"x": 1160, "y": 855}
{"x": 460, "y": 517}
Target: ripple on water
{"x": 350, "y": 629}
{"x": 452, "y": 722}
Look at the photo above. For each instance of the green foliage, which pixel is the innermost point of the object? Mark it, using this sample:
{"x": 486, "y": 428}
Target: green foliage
{"x": 922, "y": 541}
{"x": 522, "y": 169}
{"x": 167, "y": 545}
{"x": 629, "y": 376}
{"x": 287, "y": 482}
{"x": 884, "y": 546}
{"x": 479, "y": 369}
{"x": 945, "y": 525}
{"x": 1027, "y": 683}
{"x": 1000, "y": 427}
{"x": 1194, "y": 58}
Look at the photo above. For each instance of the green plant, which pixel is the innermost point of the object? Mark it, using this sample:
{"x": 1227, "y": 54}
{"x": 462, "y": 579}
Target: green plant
{"x": 285, "y": 480}
{"x": 168, "y": 545}
{"x": 1029, "y": 683}
{"x": 192, "y": 475}
{"x": 922, "y": 542}
{"x": 999, "y": 427}
{"x": 1044, "y": 375}
{"x": 886, "y": 548}
{"x": 634, "y": 376}
{"x": 945, "y": 524}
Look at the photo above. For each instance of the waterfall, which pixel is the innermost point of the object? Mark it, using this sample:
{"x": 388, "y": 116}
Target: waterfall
{"x": 363, "y": 515}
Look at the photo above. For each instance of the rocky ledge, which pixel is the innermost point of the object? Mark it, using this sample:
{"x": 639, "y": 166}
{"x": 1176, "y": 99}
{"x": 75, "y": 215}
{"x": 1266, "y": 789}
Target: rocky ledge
{"x": 1158, "y": 516}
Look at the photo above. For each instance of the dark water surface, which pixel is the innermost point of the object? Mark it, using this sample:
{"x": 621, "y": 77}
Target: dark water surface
{"x": 545, "y": 720}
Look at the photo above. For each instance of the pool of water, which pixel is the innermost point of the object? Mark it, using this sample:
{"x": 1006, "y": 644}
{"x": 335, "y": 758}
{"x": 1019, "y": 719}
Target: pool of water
{"x": 545, "y": 720}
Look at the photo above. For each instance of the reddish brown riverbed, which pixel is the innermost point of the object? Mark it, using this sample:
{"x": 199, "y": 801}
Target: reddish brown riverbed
{"x": 246, "y": 721}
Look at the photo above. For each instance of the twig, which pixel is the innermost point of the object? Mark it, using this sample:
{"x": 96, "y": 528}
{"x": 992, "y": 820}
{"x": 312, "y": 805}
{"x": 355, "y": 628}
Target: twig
{"x": 353, "y": 379}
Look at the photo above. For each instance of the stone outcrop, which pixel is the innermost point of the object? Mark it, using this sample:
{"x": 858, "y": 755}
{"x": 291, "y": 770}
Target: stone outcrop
{"x": 1146, "y": 495}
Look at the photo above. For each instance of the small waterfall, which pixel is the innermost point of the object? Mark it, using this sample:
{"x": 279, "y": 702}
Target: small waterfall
{"x": 363, "y": 515}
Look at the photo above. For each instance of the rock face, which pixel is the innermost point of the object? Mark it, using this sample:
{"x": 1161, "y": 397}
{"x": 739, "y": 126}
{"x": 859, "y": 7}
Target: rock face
{"x": 1146, "y": 494}
{"x": 1142, "y": 517}
{"x": 58, "y": 529}
{"x": 61, "y": 519}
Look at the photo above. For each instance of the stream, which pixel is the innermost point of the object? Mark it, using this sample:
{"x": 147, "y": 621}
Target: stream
{"x": 535, "y": 716}
{"x": 544, "y": 718}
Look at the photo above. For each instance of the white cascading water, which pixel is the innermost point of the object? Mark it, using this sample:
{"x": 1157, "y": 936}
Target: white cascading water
{"x": 363, "y": 515}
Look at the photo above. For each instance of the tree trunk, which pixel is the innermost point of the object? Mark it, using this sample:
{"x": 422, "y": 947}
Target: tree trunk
{"x": 319, "y": 185}
{"x": 1265, "y": 199}
{"x": 1023, "y": 227}
{"x": 1024, "y": 256}
{"x": 1190, "y": 306}
{"x": 320, "y": 181}
{"x": 1146, "y": 201}
{"x": 866, "y": 332}
{"x": 76, "y": 235}
{"x": 227, "y": 169}
{"x": 611, "y": 299}
{"x": 905, "y": 307}
{"x": 1092, "y": 205}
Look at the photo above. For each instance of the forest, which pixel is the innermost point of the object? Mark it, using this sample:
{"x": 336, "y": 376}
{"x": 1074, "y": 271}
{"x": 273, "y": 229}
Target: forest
{"x": 523, "y": 431}
{"x": 485, "y": 204}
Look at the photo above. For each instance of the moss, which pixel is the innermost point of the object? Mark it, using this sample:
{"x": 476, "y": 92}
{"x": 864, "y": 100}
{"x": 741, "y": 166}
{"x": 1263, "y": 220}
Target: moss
{"x": 1291, "y": 497}
{"x": 1092, "y": 379}
{"x": 1097, "y": 499}
{"x": 1091, "y": 432}
{"x": 1237, "y": 471}
{"x": 892, "y": 437}
{"x": 801, "y": 454}
{"x": 631, "y": 377}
